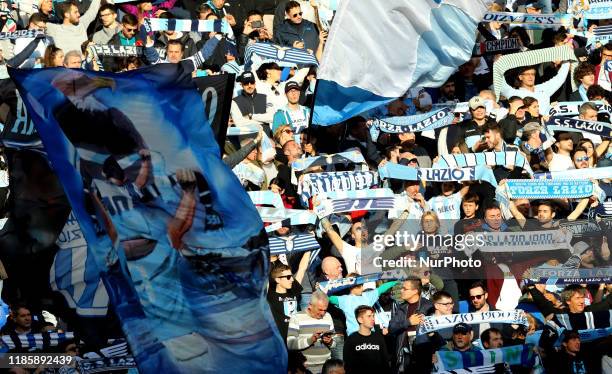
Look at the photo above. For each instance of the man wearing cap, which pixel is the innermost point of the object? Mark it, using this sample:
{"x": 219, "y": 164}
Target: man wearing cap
{"x": 293, "y": 114}
{"x": 462, "y": 339}
{"x": 250, "y": 107}
{"x": 561, "y": 160}
{"x": 471, "y": 130}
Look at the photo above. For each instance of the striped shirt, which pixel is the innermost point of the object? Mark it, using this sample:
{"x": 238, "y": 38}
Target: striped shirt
{"x": 301, "y": 328}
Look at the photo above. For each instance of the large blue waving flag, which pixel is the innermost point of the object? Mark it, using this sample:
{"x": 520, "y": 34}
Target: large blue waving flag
{"x": 377, "y": 51}
{"x": 180, "y": 245}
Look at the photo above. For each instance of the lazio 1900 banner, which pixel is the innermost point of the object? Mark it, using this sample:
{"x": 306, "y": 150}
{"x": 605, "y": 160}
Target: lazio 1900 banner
{"x": 180, "y": 245}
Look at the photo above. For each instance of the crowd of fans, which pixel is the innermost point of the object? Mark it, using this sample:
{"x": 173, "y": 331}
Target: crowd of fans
{"x": 372, "y": 327}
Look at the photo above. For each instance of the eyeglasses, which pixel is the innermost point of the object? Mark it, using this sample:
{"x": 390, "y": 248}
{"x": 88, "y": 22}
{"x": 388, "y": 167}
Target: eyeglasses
{"x": 287, "y": 277}
{"x": 580, "y": 159}
{"x": 446, "y": 304}
{"x": 296, "y": 15}
{"x": 476, "y": 297}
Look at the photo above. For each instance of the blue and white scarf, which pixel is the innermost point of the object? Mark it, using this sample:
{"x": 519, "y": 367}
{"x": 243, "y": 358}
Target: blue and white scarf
{"x": 243, "y": 130}
{"x": 350, "y": 201}
{"x": 258, "y": 53}
{"x": 267, "y": 198}
{"x": 42, "y": 341}
{"x": 20, "y": 34}
{"x": 507, "y": 159}
{"x": 293, "y": 243}
{"x": 317, "y": 183}
{"x": 572, "y": 108}
{"x": 602, "y": 129}
{"x": 187, "y": 25}
{"x": 296, "y": 216}
{"x": 600, "y": 9}
{"x": 348, "y": 157}
{"x": 417, "y": 123}
{"x": 433, "y": 323}
{"x": 397, "y": 171}
{"x": 549, "y": 189}
{"x": 522, "y": 355}
{"x": 123, "y": 50}
{"x": 583, "y": 227}
{"x": 563, "y": 275}
{"x": 588, "y": 173}
{"x": 336, "y": 285}
{"x": 525, "y": 19}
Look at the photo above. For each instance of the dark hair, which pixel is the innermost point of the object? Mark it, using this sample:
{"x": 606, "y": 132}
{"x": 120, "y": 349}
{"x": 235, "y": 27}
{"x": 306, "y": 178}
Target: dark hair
{"x": 522, "y": 35}
{"x": 491, "y": 205}
{"x": 549, "y": 204}
{"x": 528, "y": 100}
{"x": 607, "y": 46}
{"x": 416, "y": 283}
{"x": 596, "y": 91}
{"x": 50, "y": 52}
{"x": 583, "y": 69}
{"x": 569, "y": 335}
{"x": 65, "y": 7}
{"x": 491, "y": 126}
{"x": 587, "y": 140}
{"x": 477, "y": 284}
{"x": 167, "y": 15}
{"x": 486, "y": 334}
{"x": 107, "y": 6}
{"x": 471, "y": 197}
{"x": 36, "y": 17}
{"x": 439, "y": 295}
{"x": 129, "y": 19}
{"x": 514, "y": 98}
{"x": 254, "y": 12}
{"x": 175, "y": 42}
{"x": 331, "y": 364}
{"x": 361, "y": 309}
{"x": 290, "y": 5}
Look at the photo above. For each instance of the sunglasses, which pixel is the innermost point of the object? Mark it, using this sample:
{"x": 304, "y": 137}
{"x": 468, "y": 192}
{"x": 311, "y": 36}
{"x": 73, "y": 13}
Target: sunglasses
{"x": 130, "y": 29}
{"x": 296, "y": 15}
{"x": 580, "y": 159}
{"x": 413, "y": 160}
{"x": 287, "y": 277}
{"x": 476, "y": 297}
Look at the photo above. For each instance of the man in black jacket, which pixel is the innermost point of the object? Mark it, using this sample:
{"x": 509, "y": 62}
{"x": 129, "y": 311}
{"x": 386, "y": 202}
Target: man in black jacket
{"x": 251, "y": 107}
{"x": 295, "y": 31}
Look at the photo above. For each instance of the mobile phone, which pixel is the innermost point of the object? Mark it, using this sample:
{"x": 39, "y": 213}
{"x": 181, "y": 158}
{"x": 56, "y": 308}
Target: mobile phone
{"x": 257, "y": 24}
{"x": 201, "y": 73}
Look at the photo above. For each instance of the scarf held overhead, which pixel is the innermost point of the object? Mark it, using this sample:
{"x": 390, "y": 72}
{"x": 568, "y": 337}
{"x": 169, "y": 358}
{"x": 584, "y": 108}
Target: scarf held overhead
{"x": 434, "y": 323}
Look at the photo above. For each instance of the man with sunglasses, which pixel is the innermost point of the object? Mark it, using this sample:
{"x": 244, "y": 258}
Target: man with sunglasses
{"x": 478, "y": 304}
{"x": 127, "y": 36}
{"x": 295, "y": 31}
{"x": 250, "y": 107}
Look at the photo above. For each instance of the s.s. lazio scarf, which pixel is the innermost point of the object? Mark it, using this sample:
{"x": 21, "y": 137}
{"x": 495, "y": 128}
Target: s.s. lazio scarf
{"x": 549, "y": 189}
{"x": 434, "y": 323}
{"x": 582, "y": 227}
{"x": 602, "y": 129}
{"x": 572, "y": 108}
{"x": 528, "y": 21}
{"x": 587, "y": 173}
{"x": 123, "y": 50}
{"x": 407, "y": 173}
{"x": 348, "y": 157}
{"x": 163, "y": 24}
{"x": 523, "y": 355}
{"x": 507, "y": 159}
{"x": 350, "y": 201}
{"x": 243, "y": 130}
{"x": 317, "y": 183}
{"x": 258, "y": 53}
{"x": 563, "y": 275}
{"x": 105, "y": 364}
{"x": 20, "y": 34}
{"x": 267, "y": 198}
{"x": 526, "y": 241}
{"x": 417, "y": 123}
{"x": 599, "y": 9}
{"x": 336, "y": 285}
{"x": 292, "y": 243}
{"x": 585, "y": 320}
{"x": 296, "y": 216}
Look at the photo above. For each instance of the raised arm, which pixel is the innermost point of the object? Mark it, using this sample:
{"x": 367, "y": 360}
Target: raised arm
{"x": 303, "y": 266}
{"x": 91, "y": 13}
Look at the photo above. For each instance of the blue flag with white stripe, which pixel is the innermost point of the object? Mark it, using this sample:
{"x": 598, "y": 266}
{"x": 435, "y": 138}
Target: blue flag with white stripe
{"x": 374, "y": 54}
{"x": 180, "y": 246}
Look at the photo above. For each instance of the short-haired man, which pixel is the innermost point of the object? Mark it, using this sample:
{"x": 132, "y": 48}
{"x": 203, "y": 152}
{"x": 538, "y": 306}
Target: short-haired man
{"x": 127, "y": 35}
{"x": 295, "y": 31}
{"x": 311, "y": 331}
{"x": 293, "y": 114}
{"x": 72, "y": 32}
{"x": 365, "y": 350}
{"x": 492, "y": 338}
{"x": 470, "y": 130}
{"x": 573, "y": 298}
{"x": 184, "y": 38}
{"x": 73, "y": 60}
{"x": 284, "y": 292}
{"x": 110, "y": 26}
{"x": 463, "y": 335}
{"x": 36, "y": 22}
{"x": 570, "y": 359}
{"x": 602, "y": 76}
{"x": 561, "y": 160}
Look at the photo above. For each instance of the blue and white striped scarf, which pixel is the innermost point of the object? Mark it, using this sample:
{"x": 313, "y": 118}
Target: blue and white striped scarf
{"x": 527, "y": 20}
{"x": 243, "y": 130}
{"x": 336, "y": 285}
{"x": 258, "y": 53}
{"x": 317, "y": 183}
{"x": 525, "y": 241}
{"x": 598, "y": 10}
{"x": 417, "y": 123}
{"x": 602, "y": 129}
{"x": 296, "y": 216}
{"x": 562, "y": 275}
{"x": 433, "y": 323}
{"x": 588, "y": 173}
{"x": 293, "y": 243}
{"x": 42, "y": 341}
{"x": 163, "y": 24}
{"x": 585, "y": 320}
{"x": 20, "y": 34}
{"x": 397, "y": 171}
{"x": 348, "y": 157}
{"x": 512, "y": 159}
